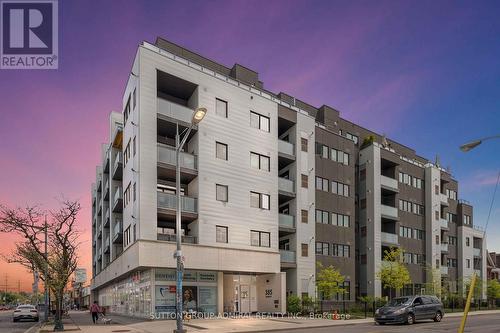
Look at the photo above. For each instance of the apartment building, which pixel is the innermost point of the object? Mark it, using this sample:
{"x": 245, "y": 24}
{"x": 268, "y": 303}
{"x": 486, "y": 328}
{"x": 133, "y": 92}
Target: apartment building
{"x": 270, "y": 186}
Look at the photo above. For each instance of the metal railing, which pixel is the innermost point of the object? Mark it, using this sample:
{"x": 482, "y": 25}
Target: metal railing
{"x": 169, "y": 201}
{"x": 287, "y": 256}
{"x": 286, "y": 221}
{"x": 166, "y": 155}
{"x": 286, "y": 147}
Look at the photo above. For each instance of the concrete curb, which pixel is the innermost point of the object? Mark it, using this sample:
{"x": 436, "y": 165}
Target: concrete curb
{"x": 34, "y": 328}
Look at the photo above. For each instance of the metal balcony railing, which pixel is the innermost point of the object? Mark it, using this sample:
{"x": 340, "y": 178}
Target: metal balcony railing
{"x": 169, "y": 201}
{"x": 166, "y": 155}
{"x": 172, "y": 238}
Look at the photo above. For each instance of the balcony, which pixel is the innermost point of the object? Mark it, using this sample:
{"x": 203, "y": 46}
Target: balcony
{"x": 106, "y": 162}
{"x": 118, "y": 200}
{"x": 389, "y": 212}
{"x": 118, "y": 137}
{"x": 389, "y": 183}
{"x": 477, "y": 272}
{"x": 389, "y": 238}
{"x": 166, "y": 164}
{"x": 476, "y": 252}
{"x": 106, "y": 191}
{"x": 443, "y": 223}
{"x": 444, "y": 247}
{"x": 99, "y": 233}
{"x": 173, "y": 238}
{"x": 286, "y": 186}
{"x": 99, "y": 209}
{"x": 106, "y": 219}
{"x": 174, "y": 111}
{"x": 167, "y": 205}
{"x": 443, "y": 199}
{"x": 99, "y": 183}
{"x": 118, "y": 232}
{"x": 106, "y": 245}
{"x": 444, "y": 270}
{"x": 286, "y": 223}
{"x": 286, "y": 153}
{"x": 287, "y": 258}
{"x": 118, "y": 167}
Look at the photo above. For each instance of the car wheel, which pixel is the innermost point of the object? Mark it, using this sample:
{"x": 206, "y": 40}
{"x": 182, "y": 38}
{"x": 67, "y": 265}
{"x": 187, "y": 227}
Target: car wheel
{"x": 14, "y": 319}
{"x": 380, "y": 323}
{"x": 36, "y": 319}
{"x": 410, "y": 319}
{"x": 438, "y": 316}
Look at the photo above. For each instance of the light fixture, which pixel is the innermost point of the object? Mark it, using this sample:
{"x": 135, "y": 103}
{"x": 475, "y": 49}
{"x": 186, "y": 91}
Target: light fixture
{"x": 471, "y": 145}
{"x": 198, "y": 115}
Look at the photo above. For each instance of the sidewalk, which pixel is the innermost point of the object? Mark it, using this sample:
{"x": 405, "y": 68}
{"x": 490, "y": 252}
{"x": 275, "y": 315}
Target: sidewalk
{"x": 82, "y": 322}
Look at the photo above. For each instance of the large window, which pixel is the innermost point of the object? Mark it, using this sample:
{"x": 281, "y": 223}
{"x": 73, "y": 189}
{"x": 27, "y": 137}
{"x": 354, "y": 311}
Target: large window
{"x": 260, "y": 238}
{"x": 259, "y": 200}
{"x": 221, "y": 192}
{"x": 304, "y": 250}
{"x": 340, "y": 220}
{"x": 322, "y": 184}
{"x": 221, "y": 150}
{"x": 340, "y": 189}
{"x": 339, "y": 156}
{"x": 322, "y": 248}
{"x": 322, "y": 216}
{"x": 303, "y": 144}
{"x": 221, "y": 108}
{"x": 258, "y": 161}
{"x": 467, "y": 220}
{"x": 411, "y": 180}
{"x": 221, "y": 234}
{"x": 259, "y": 121}
{"x": 340, "y": 250}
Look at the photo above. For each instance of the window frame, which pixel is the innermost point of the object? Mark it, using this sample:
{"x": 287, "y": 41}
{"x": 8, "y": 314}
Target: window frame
{"x": 226, "y": 188}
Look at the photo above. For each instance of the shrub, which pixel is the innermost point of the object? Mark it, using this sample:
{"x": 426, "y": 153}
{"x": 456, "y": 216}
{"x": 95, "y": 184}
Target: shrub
{"x": 293, "y": 304}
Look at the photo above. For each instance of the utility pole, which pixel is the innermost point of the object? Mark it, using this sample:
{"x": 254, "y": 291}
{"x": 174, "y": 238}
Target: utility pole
{"x": 45, "y": 288}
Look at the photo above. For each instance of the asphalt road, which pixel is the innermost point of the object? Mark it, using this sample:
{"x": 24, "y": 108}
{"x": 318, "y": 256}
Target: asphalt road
{"x": 7, "y": 326}
{"x": 475, "y": 324}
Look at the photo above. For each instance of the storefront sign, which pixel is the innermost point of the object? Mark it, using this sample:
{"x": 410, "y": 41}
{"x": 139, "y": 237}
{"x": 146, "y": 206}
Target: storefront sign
{"x": 189, "y": 276}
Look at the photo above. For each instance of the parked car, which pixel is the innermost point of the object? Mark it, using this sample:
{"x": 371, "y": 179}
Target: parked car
{"x": 408, "y": 309}
{"x": 25, "y": 312}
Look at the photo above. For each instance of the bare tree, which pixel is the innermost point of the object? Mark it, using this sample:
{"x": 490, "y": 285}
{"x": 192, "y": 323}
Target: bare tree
{"x": 62, "y": 258}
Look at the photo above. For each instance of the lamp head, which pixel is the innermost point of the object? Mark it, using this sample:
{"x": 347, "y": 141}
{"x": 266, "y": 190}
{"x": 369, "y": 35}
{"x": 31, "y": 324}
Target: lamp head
{"x": 469, "y": 146}
{"x": 198, "y": 115}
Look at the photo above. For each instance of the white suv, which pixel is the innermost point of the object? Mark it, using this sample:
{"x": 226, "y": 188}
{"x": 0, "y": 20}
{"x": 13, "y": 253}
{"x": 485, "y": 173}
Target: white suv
{"x": 25, "y": 312}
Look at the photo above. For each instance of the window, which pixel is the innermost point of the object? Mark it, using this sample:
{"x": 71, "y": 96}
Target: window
{"x": 322, "y": 184}
{"x": 339, "y": 156}
{"x": 133, "y": 147}
{"x": 405, "y": 232}
{"x": 322, "y": 248}
{"x": 135, "y": 193}
{"x": 258, "y": 161}
{"x": 340, "y": 250}
{"x": 324, "y": 151}
{"x": 304, "y": 249}
{"x": 452, "y": 240}
{"x": 221, "y": 193}
{"x": 468, "y": 263}
{"x": 304, "y": 181}
{"x": 259, "y": 121}
{"x": 260, "y": 238}
{"x": 450, "y": 262}
{"x": 221, "y": 107}
{"x": 221, "y": 150}
{"x": 467, "y": 220}
{"x": 467, "y": 241}
{"x": 303, "y": 144}
{"x": 352, "y": 137}
{"x": 450, "y": 217}
{"x": 436, "y": 213}
{"x": 126, "y": 111}
{"x": 304, "y": 216}
{"x": 220, "y": 234}
{"x": 451, "y": 194}
{"x": 322, "y": 216}
{"x": 126, "y": 153}
{"x": 259, "y": 200}
{"x": 340, "y": 220}
{"x": 134, "y": 233}
{"x": 340, "y": 189}
{"x": 126, "y": 195}
{"x": 410, "y": 180}
{"x": 126, "y": 237}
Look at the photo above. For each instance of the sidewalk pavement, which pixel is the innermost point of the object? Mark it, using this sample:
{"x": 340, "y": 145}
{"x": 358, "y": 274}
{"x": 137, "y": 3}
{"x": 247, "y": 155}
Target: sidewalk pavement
{"x": 82, "y": 321}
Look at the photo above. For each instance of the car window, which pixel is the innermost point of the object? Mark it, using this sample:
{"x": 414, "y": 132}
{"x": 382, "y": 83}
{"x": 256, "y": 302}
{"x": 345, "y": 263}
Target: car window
{"x": 427, "y": 300}
{"x": 24, "y": 307}
{"x": 418, "y": 300}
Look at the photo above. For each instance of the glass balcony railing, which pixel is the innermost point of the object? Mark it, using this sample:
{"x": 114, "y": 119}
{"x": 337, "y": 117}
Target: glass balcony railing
{"x": 444, "y": 270}
{"x": 444, "y": 247}
{"x": 169, "y": 201}
{"x": 476, "y": 252}
{"x": 173, "y": 238}
{"x": 389, "y": 211}
{"x": 118, "y": 161}
{"x": 443, "y": 223}
{"x": 286, "y": 185}
{"x": 118, "y": 195}
{"x": 166, "y": 155}
{"x": 286, "y": 147}
{"x": 175, "y": 111}
{"x": 386, "y": 237}
{"x": 287, "y": 256}
{"x": 389, "y": 182}
{"x": 286, "y": 221}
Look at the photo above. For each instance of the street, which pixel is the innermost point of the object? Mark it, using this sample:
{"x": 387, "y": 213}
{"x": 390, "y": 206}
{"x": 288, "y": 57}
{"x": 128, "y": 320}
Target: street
{"x": 475, "y": 324}
{"x": 7, "y": 326}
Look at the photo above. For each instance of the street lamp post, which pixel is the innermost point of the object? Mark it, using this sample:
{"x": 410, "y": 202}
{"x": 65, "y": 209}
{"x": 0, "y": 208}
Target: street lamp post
{"x": 45, "y": 288}
{"x": 198, "y": 116}
{"x": 473, "y": 144}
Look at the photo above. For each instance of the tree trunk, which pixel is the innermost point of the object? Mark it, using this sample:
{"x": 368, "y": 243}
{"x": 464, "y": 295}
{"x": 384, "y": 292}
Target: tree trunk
{"x": 58, "y": 324}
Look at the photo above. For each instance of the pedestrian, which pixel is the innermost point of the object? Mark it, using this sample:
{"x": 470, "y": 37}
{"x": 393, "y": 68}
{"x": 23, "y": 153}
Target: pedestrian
{"x": 94, "y": 310}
